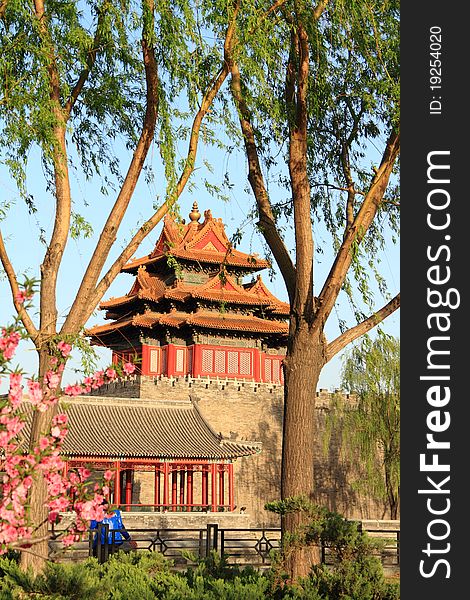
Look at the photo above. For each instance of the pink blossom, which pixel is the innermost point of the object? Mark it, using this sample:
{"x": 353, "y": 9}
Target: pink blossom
{"x": 73, "y": 390}
{"x": 74, "y": 478}
{"x": 129, "y": 368}
{"x": 69, "y": 539}
{"x": 43, "y": 443}
{"x": 60, "y": 419}
{"x": 111, "y": 373}
{"x": 8, "y": 534}
{"x": 65, "y": 491}
{"x": 84, "y": 473}
{"x": 16, "y": 390}
{"x": 9, "y": 352}
{"x": 22, "y": 296}
{"x": 108, "y": 475}
{"x": 52, "y": 379}
{"x": 9, "y": 343}
{"x": 35, "y": 392}
{"x": 56, "y": 431}
{"x": 59, "y": 504}
{"x": 64, "y": 348}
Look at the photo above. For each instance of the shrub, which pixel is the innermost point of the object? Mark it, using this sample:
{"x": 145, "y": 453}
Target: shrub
{"x": 356, "y": 573}
{"x": 148, "y": 576}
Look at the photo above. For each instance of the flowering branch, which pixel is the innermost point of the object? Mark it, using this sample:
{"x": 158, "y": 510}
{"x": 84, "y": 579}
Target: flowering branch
{"x": 67, "y": 490}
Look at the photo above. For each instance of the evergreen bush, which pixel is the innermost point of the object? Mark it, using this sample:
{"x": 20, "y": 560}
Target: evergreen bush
{"x": 356, "y": 574}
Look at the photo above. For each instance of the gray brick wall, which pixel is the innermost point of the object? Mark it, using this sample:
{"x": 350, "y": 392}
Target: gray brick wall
{"x": 252, "y": 411}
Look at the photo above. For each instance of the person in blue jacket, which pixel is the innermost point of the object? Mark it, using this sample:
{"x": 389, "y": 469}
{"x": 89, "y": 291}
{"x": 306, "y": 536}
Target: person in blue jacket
{"x": 118, "y": 537}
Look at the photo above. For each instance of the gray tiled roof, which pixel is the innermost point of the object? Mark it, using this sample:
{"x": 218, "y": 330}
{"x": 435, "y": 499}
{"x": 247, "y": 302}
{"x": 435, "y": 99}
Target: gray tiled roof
{"x": 135, "y": 428}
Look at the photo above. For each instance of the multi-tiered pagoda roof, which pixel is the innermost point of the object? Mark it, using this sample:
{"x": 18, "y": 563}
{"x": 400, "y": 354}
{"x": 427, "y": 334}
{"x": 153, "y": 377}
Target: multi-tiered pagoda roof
{"x": 192, "y": 284}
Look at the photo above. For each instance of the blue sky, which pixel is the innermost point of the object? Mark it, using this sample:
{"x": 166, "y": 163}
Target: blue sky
{"x": 21, "y": 234}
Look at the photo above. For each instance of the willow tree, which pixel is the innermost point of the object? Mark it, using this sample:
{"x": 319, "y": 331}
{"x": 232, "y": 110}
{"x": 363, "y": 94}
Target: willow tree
{"x": 315, "y": 85}
{"x": 78, "y": 79}
{"x": 370, "y": 428}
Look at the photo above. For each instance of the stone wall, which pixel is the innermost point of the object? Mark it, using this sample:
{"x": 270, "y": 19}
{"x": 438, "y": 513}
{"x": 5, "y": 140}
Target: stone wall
{"x": 167, "y": 520}
{"x": 250, "y": 411}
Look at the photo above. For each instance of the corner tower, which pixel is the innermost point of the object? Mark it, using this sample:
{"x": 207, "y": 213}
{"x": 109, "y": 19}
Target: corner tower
{"x": 200, "y": 332}
{"x": 189, "y": 312}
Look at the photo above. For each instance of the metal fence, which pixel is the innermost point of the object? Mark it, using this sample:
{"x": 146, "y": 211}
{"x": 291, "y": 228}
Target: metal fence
{"x": 239, "y": 546}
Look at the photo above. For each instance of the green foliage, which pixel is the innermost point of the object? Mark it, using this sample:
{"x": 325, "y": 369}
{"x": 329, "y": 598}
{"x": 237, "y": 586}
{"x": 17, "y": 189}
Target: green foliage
{"x": 352, "y": 106}
{"x": 356, "y": 572}
{"x": 324, "y": 528}
{"x": 148, "y": 575}
{"x": 371, "y": 429}
{"x": 97, "y": 43}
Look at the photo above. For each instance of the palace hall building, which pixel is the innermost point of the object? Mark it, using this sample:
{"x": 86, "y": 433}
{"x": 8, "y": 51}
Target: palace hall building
{"x": 197, "y": 429}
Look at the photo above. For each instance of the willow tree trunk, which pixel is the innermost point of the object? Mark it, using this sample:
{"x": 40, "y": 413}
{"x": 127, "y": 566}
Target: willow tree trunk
{"x": 302, "y": 366}
{"x": 35, "y": 555}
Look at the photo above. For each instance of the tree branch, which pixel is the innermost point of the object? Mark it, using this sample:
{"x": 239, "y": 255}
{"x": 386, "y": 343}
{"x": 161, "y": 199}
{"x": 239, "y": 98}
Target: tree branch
{"x": 346, "y": 163}
{"x": 358, "y": 229}
{"x": 267, "y": 222}
{"x": 3, "y": 8}
{"x": 98, "y": 292}
{"x": 108, "y": 235}
{"x": 352, "y": 334}
{"x": 15, "y": 289}
{"x": 90, "y": 61}
{"x": 296, "y": 99}
{"x": 55, "y": 249}
{"x": 321, "y": 6}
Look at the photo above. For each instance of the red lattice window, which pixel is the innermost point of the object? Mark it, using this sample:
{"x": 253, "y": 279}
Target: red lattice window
{"x": 220, "y": 361}
{"x": 179, "y": 362}
{"x": 232, "y": 363}
{"x": 273, "y": 369}
{"x": 245, "y": 363}
{"x": 207, "y": 361}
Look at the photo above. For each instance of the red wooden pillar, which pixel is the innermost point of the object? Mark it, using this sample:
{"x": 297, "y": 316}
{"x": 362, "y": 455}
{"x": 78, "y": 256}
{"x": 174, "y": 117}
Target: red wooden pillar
{"x": 214, "y": 487}
{"x": 256, "y": 365}
{"x": 157, "y": 494}
{"x": 166, "y": 473}
{"x": 197, "y": 360}
{"x": 189, "y": 360}
{"x": 174, "y": 485}
{"x": 205, "y": 486}
{"x": 189, "y": 487}
{"x": 181, "y": 498}
{"x": 145, "y": 364}
{"x": 117, "y": 484}
{"x": 221, "y": 485}
{"x": 230, "y": 487}
{"x": 128, "y": 487}
{"x": 170, "y": 360}
{"x": 262, "y": 356}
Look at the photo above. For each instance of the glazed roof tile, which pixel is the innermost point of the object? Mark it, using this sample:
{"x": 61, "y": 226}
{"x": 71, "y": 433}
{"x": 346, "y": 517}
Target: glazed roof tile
{"x": 237, "y": 323}
{"x": 139, "y": 428}
{"x": 145, "y": 287}
{"x": 259, "y": 288}
{"x": 220, "y": 288}
{"x": 202, "y": 319}
{"x": 204, "y": 242}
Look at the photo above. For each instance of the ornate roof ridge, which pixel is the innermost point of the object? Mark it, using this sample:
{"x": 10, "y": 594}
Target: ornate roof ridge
{"x": 152, "y": 430}
{"x": 145, "y": 287}
{"x": 182, "y": 241}
{"x": 275, "y": 304}
{"x": 201, "y": 318}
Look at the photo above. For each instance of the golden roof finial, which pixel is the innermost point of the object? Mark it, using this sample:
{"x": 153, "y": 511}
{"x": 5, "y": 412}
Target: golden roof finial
{"x": 195, "y": 215}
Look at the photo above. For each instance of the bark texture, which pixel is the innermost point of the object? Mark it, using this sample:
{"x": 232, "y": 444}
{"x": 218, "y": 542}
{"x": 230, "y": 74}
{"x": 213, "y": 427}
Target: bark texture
{"x": 303, "y": 364}
{"x": 34, "y": 559}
